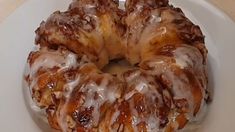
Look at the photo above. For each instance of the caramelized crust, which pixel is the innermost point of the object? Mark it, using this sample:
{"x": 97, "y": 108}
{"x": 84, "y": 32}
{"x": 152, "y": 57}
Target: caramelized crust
{"x": 88, "y": 27}
{"x": 158, "y": 31}
{"x": 166, "y": 90}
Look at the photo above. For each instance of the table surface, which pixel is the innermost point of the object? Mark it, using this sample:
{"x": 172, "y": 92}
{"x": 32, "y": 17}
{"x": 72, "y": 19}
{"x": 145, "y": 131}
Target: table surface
{"x": 8, "y": 6}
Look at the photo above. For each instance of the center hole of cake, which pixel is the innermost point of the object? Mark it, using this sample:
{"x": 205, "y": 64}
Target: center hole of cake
{"x": 117, "y": 67}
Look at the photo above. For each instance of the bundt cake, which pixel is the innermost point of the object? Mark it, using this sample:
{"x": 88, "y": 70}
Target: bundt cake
{"x": 165, "y": 89}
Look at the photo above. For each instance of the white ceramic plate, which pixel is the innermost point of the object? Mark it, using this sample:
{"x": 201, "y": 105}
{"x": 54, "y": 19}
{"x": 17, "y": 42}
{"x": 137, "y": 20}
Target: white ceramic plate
{"x": 17, "y": 39}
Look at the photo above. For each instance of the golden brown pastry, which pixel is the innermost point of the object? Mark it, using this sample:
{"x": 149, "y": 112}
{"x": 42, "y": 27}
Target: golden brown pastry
{"x": 165, "y": 91}
{"x": 90, "y": 27}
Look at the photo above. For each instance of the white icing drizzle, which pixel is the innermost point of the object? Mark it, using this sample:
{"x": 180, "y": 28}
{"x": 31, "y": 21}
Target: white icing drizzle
{"x": 180, "y": 84}
{"x": 61, "y": 115}
{"x": 182, "y": 60}
{"x": 185, "y": 56}
{"x": 188, "y": 56}
{"x": 135, "y": 116}
{"x": 69, "y": 87}
{"x": 155, "y": 18}
{"x": 152, "y": 124}
{"x": 104, "y": 93}
{"x": 153, "y": 29}
{"x": 142, "y": 86}
{"x": 114, "y": 117}
{"x": 49, "y": 59}
{"x": 97, "y": 95}
{"x": 62, "y": 59}
{"x": 132, "y": 76}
